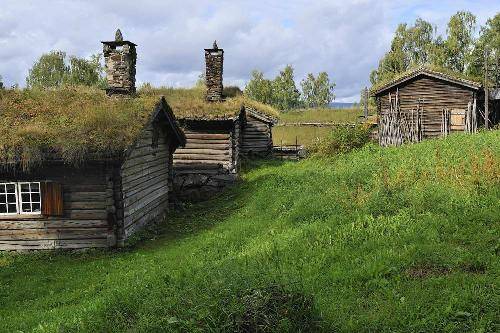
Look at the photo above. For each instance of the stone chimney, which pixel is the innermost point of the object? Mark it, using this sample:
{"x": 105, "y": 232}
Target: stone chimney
{"x": 120, "y": 58}
{"x": 214, "y": 59}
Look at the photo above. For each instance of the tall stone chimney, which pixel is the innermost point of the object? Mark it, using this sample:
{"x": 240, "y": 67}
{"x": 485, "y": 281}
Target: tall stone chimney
{"x": 214, "y": 59}
{"x": 120, "y": 58}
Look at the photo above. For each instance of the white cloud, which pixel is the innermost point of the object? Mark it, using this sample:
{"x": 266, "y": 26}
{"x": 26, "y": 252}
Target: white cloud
{"x": 344, "y": 38}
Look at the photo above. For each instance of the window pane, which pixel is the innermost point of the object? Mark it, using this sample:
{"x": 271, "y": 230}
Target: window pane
{"x": 3, "y": 208}
{"x": 25, "y": 187}
{"x": 12, "y": 208}
{"x": 36, "y": 208}
{"x": 11, "y": 198}
{"x": 26, "y": 208}
{"x": 35, "y": 187}
{"x": 2, "y": 188}
{"x": 35, "y": 197}
{"x": 3, "y": 198}
{"x": 25, "y": 197}
{"x": 11, "y": 188}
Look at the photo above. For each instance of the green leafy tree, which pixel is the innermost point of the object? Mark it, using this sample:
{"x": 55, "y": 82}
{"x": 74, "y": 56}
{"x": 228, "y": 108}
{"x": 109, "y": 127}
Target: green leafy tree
{"x": 411, "y": 46}
{"x": 259, "y": 88}
{"x": 49, "y": 71}
{"x": 489, "y": 39}
{"x": 460, "y": 41}
{"x": 52, "y": 70}
{"x": 285, "y": 94}
{"x": 86, "y": 72}
{"x": 419, "y": 42}
{"x": 317, "y": 92}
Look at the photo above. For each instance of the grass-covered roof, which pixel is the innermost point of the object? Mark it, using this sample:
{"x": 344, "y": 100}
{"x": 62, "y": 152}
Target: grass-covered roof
{"x": 191, "y": 104}
{"x": 78, "y": 123}
{"x": 431, "y": 70}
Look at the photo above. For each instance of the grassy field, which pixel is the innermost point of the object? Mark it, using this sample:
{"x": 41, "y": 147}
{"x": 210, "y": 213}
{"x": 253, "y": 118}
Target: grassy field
{"x": 304, "y": 135}
{"x": 377, "y": 240}
{"x": 322, "y": 115}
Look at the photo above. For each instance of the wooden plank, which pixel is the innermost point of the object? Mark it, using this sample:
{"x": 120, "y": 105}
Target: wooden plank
{"x": 221, "y": 158}
{"x": 49, "y": 224}
{"x": 200, "y": 151}
{"x": 209, "y": 136}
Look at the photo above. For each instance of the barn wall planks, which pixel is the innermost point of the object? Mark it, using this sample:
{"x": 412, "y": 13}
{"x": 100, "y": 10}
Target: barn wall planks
{"x": 208, "y": 162}
{"x": 434, "y": 95}
{"x": 257, "y": 138}
{"x": 144, "y": 183}
{"x": 84, "y": 223}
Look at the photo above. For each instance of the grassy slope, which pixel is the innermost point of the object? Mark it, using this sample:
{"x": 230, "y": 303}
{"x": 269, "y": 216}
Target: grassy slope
{"x": 382, "y": 239}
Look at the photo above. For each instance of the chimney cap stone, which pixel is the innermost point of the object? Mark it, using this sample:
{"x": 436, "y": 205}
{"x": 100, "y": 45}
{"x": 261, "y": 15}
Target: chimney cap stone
{"x": 118, "y": 40}
{"x": 118, "y": 36}
{"x": 215, "y": 48}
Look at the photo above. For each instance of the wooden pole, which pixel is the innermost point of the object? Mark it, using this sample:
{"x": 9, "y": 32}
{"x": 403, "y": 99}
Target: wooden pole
{"x": 486, "y": 92}
{"x": 366, "y": 103}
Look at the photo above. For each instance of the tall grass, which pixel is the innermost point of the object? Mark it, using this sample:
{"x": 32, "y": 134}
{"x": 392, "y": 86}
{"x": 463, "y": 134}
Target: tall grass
{"x": 396, "y": 239}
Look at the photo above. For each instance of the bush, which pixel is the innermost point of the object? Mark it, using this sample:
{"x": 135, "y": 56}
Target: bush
{"x": 342, "y": 139}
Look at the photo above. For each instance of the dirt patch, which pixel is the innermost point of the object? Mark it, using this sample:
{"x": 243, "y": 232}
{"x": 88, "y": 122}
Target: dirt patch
{"x": 425, "y": 271}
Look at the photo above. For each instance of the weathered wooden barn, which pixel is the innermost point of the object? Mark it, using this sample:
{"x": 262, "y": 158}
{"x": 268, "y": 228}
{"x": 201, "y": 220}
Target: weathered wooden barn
{"x": 424, "y": 104}
{"x": 81, "y": 169}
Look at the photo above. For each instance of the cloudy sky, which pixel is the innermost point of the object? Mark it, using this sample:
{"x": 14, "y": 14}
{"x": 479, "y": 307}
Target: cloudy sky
{"x": 345, "y": 38}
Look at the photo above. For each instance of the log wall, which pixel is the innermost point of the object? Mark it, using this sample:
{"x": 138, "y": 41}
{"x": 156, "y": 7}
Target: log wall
{"x": 143, "y": 183}
{"x": 434, "y": 95}
{"x": 208, "y": 162}
{"x": 88, "y": 203}
{"x": 257, "y": 137}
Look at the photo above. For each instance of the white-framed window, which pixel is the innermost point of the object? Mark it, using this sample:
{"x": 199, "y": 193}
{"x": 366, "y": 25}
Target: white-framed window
{"x": 20, "y": 198}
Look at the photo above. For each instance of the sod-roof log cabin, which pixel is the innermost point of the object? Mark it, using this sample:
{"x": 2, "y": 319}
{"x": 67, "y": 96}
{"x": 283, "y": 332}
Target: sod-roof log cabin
{"x": 81, "y": 169}
{"x": 425, "y": 103}
{"x": 218, "y": 129}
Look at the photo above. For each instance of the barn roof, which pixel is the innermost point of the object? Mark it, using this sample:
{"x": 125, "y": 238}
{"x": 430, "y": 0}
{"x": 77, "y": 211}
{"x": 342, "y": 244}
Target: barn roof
{"x": 73, "y": 124}
{"x": 266, "y": 118}
{"x": 439, "y": 74}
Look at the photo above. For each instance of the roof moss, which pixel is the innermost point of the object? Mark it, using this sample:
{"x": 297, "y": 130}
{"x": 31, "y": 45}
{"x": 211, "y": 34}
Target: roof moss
{"x": 72, "y": 123}
{"x": 76, "y": 123}
{"x": 191, "y": 104}
{"x": 446, "y": 73}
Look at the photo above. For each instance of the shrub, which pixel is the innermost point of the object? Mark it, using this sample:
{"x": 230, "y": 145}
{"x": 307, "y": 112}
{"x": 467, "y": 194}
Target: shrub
{"x": 342, "y": 139}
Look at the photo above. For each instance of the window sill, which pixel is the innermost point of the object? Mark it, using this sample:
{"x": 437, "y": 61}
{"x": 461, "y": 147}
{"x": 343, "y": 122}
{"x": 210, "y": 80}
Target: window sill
{"x": 22, "y": 217}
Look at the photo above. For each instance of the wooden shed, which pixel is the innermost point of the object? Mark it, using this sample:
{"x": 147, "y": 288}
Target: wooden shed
{"x": 211, "y": 158}
{"x": 424, "y": 104}
{"x": 79, "y": 169}
{"x": 257, "y": 133}
{"x": 213, "y": 124}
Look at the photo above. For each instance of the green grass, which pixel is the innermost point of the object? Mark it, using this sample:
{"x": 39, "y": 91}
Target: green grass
{"x": 303, "y": 135}
{"x": 397, "y": 239}
{"x": 324, "y": 115}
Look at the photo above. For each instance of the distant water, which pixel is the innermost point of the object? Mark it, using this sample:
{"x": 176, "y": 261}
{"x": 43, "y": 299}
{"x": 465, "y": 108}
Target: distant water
{"x": 340, "y": 105}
